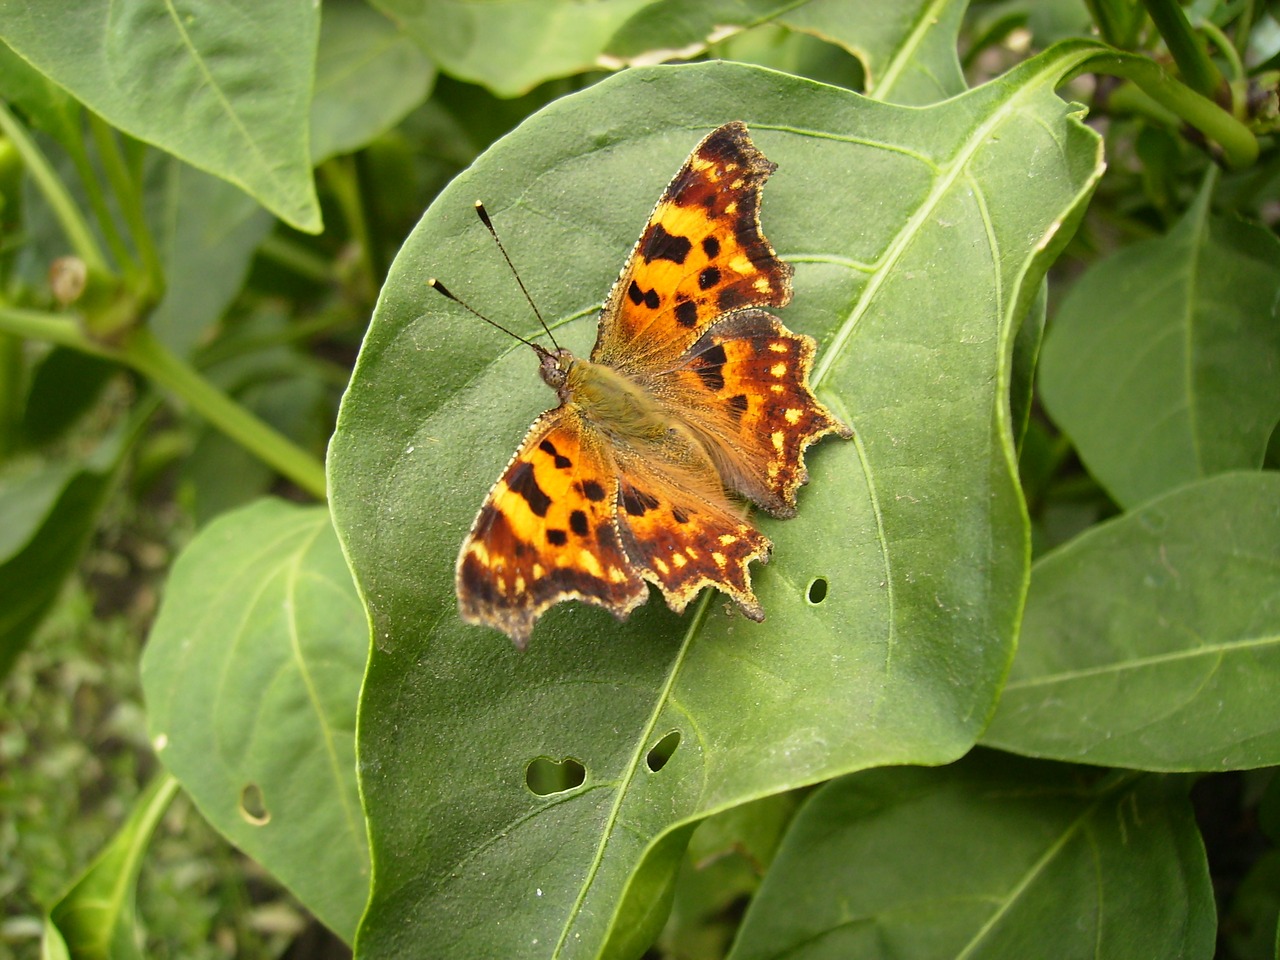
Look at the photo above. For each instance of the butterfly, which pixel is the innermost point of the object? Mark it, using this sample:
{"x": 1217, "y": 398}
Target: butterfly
{"x": 693, "y": 400}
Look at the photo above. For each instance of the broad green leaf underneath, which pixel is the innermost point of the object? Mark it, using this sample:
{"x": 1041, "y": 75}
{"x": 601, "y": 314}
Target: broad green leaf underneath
{"x": 1153, "y": 641}
{"x": 251, "y": 675}
{"x": 989, "y": 858}
{"x": 1163, "y": 364}
{"x": 919, "y": 238}
{"x": 224, "y": 86}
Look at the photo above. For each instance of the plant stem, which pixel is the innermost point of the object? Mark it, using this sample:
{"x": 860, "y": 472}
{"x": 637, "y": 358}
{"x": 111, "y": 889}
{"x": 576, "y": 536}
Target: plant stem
{"x": 340, "y": 174}
{"x": 144, "y": 353}
{"x": 1223, "y": 44}
{"x": 1239, "y": 145}
{"x": 1198, "y": 71}
{"x": 55, "y": 193}
{"x": 130, "y": 197}
{"x": 98, "y": 203}
{"x": 150, "y": 357}
{"x": 296, "y": 257}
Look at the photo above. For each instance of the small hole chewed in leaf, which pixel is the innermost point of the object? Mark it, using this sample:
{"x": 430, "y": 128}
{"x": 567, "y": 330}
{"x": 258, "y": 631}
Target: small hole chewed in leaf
{"x": 818, "y": 590}
{"x": 661, "y": 751}
{"x": 253, "y": 806}
{"x": 545, "y": 776}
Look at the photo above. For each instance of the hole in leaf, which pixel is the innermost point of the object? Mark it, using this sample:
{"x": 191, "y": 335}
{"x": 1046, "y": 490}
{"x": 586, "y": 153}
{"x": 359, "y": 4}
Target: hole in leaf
{"x": 661, "y": 751}
{"x": 545, "y": 776}
{"x": 818, "y": 590}
{"x": 253, "y": 805}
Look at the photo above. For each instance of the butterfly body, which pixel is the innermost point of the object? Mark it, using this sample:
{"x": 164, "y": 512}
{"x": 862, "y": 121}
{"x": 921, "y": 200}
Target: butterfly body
{"x": 693, "y": 400}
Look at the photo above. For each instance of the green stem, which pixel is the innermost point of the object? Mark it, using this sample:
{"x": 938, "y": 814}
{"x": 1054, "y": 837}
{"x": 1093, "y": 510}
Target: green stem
{"x": 1197, "y": 70}
{"x": 1223, "y": 44}
{"x": 296, "y": 257}
{"x": 151, "y": 358}
{"x": 340, "y": 175}
{"x": 98, "y": 203}
{"x": 144, "y": 353}
{"x": 1244, "y": 26}
{"x": 55, "y": 193}
{"x": 1239, "y": 145}
{"x": 130, "y": 197}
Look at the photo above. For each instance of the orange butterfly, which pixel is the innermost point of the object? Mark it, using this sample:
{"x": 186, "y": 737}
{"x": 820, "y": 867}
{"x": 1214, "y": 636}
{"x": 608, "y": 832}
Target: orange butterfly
{"x": 690, "y": 389}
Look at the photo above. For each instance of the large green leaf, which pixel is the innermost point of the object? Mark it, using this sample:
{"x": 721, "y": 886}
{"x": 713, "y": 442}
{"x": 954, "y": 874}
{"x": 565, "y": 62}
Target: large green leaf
{"x": 1153, "y": 641}
{"x": 511, "y": 46}
{"x": 225, "y": 86}
{"x": 918, "y": 237}
{"x": 990, "y": 858}
{"x": 96, "y": 919}
{"x": 1163, "y": 363}
{"x": 251, "y": 675}
{"x": 369, "y": 74}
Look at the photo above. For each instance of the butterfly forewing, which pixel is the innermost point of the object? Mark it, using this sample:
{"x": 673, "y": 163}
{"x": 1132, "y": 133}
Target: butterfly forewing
{"x": 701, "y": 255}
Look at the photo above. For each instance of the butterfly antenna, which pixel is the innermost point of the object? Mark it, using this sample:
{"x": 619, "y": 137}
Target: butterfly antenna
{"x": 483, "y": 214}
{"x": 441, "y": 289}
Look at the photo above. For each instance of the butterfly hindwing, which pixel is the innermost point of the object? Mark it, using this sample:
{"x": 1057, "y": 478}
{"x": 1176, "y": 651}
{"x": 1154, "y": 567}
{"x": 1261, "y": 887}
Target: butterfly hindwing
{"x": 748, "y": 378}
{"x": 548, "y": 532}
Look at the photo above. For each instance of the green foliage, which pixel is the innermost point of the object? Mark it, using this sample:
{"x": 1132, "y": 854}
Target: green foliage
{"x": 176, "y": 331}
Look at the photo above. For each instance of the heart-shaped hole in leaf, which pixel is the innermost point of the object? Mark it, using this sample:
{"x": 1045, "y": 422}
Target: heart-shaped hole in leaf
{"x": 545, "y": 776}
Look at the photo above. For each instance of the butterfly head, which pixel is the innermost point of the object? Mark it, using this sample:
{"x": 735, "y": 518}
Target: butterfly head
{"x": 553, "y": 365}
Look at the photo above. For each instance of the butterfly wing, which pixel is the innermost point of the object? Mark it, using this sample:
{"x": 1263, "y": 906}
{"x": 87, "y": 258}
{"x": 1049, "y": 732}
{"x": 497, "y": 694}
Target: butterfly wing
{"x": 748, "y": 378}
{"x": 548, "y": 532}
{"x": 702, "y": 254}
{"x": 681, "y": 531}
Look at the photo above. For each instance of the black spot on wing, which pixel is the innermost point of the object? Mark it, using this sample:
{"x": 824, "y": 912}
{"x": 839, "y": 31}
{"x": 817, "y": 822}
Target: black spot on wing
{"x": 549, "y": 448}
{"x": 709, "y": 365}
{"x": 578, "y": 523}
{"x": 652, "y": 300}
{"x": 635, "y": 294}
{"x": 660, "y": 245}
{"x": 711, "y": 247}
{"x": 557, "y": 538}
{"x": 477, "y": 581}
{"x": 732, "y": 297}
{"x": 686, "y": 313}
{"x": 637, "y": 502}
{"x": 708, "y": 278}
{"x": 679, "y": 515}
{"x": 523, "y": 482}
{"x": 738, "y": 404}
{"x": 592, "y": 491}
